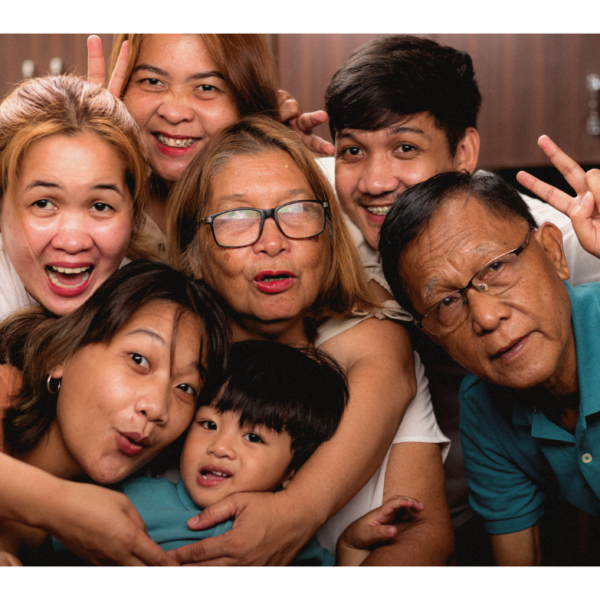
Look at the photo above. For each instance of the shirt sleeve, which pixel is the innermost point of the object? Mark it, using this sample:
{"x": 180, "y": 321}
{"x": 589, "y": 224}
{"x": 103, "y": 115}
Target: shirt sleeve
{"x": 502, "y": 493}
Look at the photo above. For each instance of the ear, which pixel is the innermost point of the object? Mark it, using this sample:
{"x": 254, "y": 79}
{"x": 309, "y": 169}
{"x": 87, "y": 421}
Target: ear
{"x": 286, "y": 482}
{"x": 57, "y": 372}
{"x": 467, "y": 152}
{"x": 549, "y": 237}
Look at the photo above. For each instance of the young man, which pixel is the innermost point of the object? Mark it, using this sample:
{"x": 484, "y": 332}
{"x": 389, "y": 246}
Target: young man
{"x": 465, "y": 256}
{"x": 401, "y": 110}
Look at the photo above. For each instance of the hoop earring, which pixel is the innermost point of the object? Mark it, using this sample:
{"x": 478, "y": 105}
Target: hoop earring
{"x": 49, "y": 381}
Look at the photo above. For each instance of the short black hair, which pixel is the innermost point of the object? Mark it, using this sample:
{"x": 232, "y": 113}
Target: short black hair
{"x": 400, "y": 75}
{"x": 300, "y": 391}
{"x": 412, "y": 210}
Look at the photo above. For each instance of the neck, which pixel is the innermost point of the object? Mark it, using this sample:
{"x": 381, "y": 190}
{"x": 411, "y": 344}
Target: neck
{"x": 283, "y": 333}
{"x": 156, "y": 207}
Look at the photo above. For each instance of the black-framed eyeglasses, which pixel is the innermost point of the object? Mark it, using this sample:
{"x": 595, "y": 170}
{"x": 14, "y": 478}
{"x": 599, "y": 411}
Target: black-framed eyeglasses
{"x": 494, "y": 278}
{"x": 298, "y": 220}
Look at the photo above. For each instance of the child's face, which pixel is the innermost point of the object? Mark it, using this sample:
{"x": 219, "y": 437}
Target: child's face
{"x": 220, "y": 458}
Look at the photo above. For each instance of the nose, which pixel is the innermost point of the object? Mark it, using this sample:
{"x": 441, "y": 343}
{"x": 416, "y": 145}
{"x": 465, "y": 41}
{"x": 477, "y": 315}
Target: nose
{"x": 377, "y": 177}
{"x": 175, "y": 107}
{"x": 154, "y": 404}
{"x": 222, "y": 445}
{"x": 73, "y": 235}
{"x": 486, "y": 311}
{"x": 271, "y": 241}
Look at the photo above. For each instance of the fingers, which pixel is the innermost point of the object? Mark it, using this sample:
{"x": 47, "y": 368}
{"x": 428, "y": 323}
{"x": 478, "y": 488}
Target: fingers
{"x": 9, "y": 560}
{"x": 307, "y": 121}
{"x": 117, "y": 80}
{"x": 96, "y": 67}
{"x": 215, "y": 513}
{"x": 549, "y": 193}
{"x": 151, "y": 554}
{"x": 197, "y": 552}
{"x": 569, "y": 169}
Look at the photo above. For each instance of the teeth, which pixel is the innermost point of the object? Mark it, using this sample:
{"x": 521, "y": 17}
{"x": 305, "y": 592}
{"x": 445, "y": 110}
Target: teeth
{"x": 217, "y": 473}
{"x": 378, "y": 210}
{"x": 68, "y": 270}
{"x": 175, "y": 143}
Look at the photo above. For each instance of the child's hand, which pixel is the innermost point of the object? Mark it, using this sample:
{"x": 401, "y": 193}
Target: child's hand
{"x": 9, "y": 560}
{"x": 374, "y": 528}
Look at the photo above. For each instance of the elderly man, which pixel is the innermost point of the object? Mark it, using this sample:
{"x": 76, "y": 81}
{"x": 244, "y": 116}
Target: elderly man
{"x": 464, "y": 255}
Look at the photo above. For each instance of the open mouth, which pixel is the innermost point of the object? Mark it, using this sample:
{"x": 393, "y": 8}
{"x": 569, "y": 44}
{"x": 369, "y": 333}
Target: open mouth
{"x": 380, "y": 211}
{"x": 68, "y": 277}
{"x": 213, "y": 475}
{"x": 270, "y": 278}
{"x": 175, "y": 142}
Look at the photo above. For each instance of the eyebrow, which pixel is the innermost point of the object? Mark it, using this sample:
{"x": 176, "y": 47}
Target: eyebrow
{"x": 155, "y": 336}
{"x": 300, "y": 192}
{"x": 59, "y": 186}
{"x": 201, "y": 75}
{"x": 390, "y": 131}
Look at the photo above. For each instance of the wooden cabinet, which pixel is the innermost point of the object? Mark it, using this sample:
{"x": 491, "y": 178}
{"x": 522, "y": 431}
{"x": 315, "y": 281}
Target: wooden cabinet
{"x": 531, "y": 84}
{"x": 71, "y": 49}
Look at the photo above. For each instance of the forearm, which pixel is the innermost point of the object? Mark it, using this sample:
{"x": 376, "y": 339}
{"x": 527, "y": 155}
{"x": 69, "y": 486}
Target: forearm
{"x": 521, "y": 548}
{"x": 415, "y": 469}
{"x": 28, "y": 494}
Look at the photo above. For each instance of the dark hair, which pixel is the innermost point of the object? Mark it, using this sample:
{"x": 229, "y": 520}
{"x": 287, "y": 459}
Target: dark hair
{"x": 301, "y": 391}
{"x": 36, "y": 342}
{"x": 410, "y": 214}
{"x": 400, "y": 75}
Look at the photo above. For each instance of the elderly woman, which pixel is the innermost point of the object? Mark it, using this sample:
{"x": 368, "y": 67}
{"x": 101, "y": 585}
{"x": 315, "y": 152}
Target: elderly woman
{"x": 105, "y": 389}
{"x": 255, "y": 218}
{"x": 73, "y": 187}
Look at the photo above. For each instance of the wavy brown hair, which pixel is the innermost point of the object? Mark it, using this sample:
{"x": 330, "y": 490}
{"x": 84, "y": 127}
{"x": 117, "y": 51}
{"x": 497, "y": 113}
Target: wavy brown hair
{"x": 36, "y": 342}
{"x": 345, "y": 288}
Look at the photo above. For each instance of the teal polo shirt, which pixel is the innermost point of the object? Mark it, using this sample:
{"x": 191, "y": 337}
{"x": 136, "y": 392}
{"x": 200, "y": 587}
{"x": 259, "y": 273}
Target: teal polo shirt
{"x": 515, "y": 457}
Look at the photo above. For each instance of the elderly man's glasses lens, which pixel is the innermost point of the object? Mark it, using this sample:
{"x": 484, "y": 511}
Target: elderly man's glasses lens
{"x": 297, "y": 220}
{"x": 495, "y": 278}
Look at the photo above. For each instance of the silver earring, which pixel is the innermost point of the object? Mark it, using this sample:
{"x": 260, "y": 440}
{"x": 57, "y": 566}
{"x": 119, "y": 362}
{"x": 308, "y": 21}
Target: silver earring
{"x": 49, "y": 381}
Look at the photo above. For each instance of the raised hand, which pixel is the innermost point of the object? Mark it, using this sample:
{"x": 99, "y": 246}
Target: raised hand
{"x": 97, "y": 66}
{"x": 303, "y": 123}
{"x": 584, "y": 208}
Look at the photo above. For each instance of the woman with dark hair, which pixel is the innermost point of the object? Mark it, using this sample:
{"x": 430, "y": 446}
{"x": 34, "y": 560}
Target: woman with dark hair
{"x": 255, "y": 218}
{"x": 104, "y": 390}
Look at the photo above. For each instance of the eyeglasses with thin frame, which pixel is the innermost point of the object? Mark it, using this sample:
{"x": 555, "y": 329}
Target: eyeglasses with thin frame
{"x": 297, "y": 220}
{"x": 495, "y": 278}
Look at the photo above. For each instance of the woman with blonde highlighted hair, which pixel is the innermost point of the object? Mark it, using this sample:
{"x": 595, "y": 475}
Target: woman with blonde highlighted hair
{"x": 256, "y": 219}
{"x": 73, "y": 189}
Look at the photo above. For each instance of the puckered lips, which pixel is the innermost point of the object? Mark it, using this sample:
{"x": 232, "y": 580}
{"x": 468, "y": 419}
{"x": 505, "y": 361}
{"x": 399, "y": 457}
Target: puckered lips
{"x": 274, "y": 282}
{"x": 67, "y": 279}
{"x": 131, "y": 442}
{"x": 174, "y": 145}
{"x": 512, "y": 349}
{"x": 212, "y": 475}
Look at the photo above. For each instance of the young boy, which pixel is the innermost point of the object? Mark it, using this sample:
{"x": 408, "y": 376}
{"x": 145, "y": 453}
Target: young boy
{"x": 276, "y": 406}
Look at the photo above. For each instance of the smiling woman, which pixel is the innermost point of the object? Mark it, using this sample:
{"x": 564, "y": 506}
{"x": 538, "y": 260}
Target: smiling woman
{"x": 73, "y": 187}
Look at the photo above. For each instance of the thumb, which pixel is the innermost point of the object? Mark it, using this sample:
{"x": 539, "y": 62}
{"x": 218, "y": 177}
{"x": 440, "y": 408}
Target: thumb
{"x": 215, "y": 513}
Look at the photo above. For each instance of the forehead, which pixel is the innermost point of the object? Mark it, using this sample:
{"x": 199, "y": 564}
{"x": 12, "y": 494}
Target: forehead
{"x": 460, "y": 238}
{"x": 265, "y": 177}
{"x": 176, "y": 49}
{"x": 420, "y": 125}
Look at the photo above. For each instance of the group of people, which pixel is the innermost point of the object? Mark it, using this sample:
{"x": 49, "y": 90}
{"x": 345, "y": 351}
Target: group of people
{"x": 214, "y": 325}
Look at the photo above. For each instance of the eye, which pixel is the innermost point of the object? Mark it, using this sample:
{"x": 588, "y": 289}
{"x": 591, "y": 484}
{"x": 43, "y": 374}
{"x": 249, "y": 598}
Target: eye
{"x": 101, "y": 207}
{"x": 252, "y": 437}
{"x": 43, "y": 204}
{"x": 405, "y": 148}
{"x": 140, "y": 360}
{"x": 210, "y": 425}
{"x": 351, "y": 151}
{"x": 188, "y": 389}
{"x": 205, "y": 87}
{"x": 151, "y": 81}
